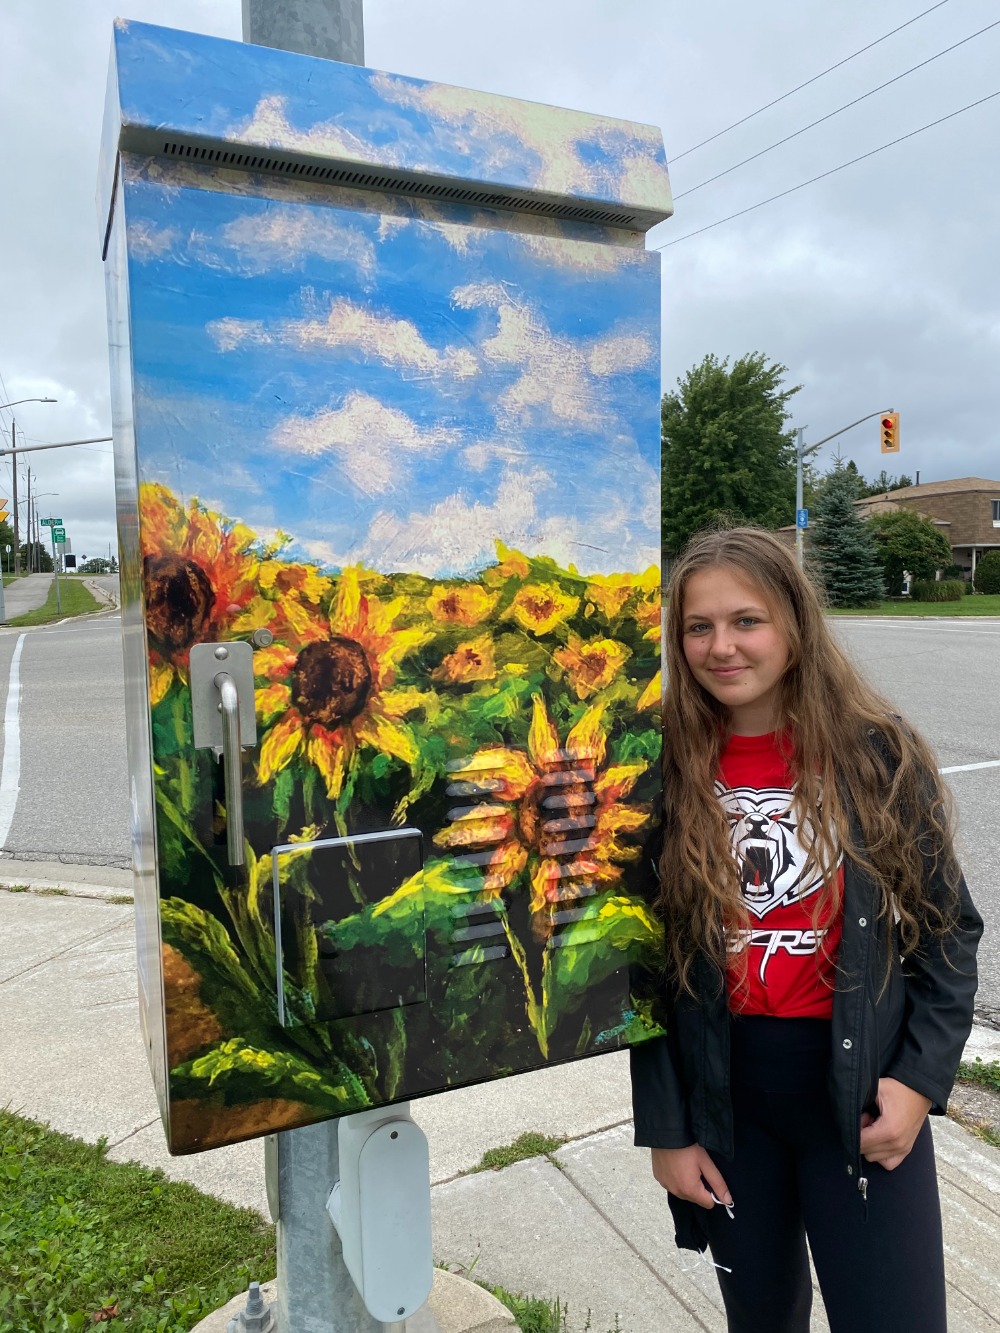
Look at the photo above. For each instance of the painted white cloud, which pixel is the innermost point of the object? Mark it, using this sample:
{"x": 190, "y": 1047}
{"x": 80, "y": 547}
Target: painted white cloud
{"x": 285, "y": 238}
{"x": 501, "y": 132}
{"x": 147, "y": 241}
{"x": 373, "y": 444}
{"x": 616, "y": 532}
{"x": 394, "y": 342}
{"x": 560, "y": 377}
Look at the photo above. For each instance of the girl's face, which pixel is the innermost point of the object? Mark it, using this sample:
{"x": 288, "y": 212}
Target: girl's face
{"x": 734, "y": 648}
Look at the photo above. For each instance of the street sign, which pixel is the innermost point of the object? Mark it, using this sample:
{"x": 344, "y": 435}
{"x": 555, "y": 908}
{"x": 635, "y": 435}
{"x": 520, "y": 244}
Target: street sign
{"x": 802, "y": 518}
{"x": 4, "y": 515}
{"x": 58, "y": 535}
{"x": 51, "y": 522}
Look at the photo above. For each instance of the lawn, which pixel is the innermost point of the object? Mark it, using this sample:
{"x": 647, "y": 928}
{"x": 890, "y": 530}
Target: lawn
{"x": 977, "y": 605}
{"x": 75, "y": 598}
{"x": 84, "y": 1240}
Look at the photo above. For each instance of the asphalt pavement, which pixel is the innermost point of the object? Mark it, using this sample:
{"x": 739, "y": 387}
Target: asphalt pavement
{"x": 586, "y": 1224}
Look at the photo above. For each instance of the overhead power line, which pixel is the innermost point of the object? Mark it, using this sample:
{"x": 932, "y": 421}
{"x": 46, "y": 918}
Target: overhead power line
{"x": 832, "y": 172}
{"x": 830, "y": 114}
{"x": 798, "y": 88}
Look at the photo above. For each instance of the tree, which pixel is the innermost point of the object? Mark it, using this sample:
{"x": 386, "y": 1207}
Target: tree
{"x": 725, "y": 447}
{"x": 842, "y": 545}
{"x": 908, "y": 542}
{"x": 40, "y": 561}
{"x": 987, "y": 575}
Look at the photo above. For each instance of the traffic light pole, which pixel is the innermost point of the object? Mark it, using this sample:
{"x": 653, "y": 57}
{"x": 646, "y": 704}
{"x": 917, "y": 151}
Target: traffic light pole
{"x": 800, "y": 453}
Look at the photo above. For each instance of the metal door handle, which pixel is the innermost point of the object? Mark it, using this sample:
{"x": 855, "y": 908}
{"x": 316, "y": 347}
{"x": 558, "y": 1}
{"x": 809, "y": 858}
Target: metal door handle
{"x": 224, "y": 721}
{"x": 232, "y": 763}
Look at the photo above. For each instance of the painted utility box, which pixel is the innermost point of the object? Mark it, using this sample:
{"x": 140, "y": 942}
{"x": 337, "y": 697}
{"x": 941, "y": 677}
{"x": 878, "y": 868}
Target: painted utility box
{"x": 385, "y": 363}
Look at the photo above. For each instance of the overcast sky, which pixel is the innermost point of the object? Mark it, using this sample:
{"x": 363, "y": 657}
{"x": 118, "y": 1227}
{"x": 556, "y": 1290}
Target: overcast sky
{"x": 877, "y": 287}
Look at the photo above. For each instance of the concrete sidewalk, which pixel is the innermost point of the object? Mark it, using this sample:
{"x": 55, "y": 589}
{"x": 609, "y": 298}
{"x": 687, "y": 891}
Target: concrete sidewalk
{"x": 587, "y": 1225}
{"x": 26, "y": 594}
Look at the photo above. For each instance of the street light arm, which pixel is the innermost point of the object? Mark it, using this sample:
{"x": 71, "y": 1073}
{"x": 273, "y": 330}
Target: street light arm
{"x": 18, "y": 401}
{"x": 63, "y": 444}
{"x": 826, "y": 438}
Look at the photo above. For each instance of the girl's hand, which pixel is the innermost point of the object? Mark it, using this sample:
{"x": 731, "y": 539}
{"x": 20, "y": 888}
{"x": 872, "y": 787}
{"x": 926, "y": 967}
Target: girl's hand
{"x": 901, "y": 1112}
{"x": 689, "y": 1173}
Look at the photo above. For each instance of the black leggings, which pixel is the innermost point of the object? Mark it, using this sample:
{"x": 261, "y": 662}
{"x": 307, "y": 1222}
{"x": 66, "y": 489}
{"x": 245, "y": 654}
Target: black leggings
{"x": 788, "y": 1180}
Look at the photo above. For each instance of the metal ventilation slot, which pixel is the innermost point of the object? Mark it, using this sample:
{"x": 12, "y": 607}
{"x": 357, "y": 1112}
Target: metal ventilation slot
{"x": 475, "y": 923}
{"x": 179, "y": 149}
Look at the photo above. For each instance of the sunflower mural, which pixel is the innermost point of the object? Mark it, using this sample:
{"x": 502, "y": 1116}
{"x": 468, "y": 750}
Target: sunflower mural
{"x": 402, "y": 441}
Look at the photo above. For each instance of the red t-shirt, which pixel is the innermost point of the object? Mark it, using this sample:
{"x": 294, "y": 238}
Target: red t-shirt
{"x": 786, "y": 973}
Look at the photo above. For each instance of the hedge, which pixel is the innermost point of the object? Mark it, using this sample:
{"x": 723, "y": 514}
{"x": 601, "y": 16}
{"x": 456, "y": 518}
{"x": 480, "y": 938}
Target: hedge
{"x": 987, "y": 578}
{"x": 942, "y": 590}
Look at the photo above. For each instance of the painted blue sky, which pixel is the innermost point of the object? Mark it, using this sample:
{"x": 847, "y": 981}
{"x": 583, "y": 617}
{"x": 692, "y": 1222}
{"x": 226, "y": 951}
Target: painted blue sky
{"x": 399, "y": 388}
{"x": 253, "y": 95}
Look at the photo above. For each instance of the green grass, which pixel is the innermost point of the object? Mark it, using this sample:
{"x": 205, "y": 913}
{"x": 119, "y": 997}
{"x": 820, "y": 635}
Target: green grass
{"x": 85, "y": 1241}
{"x": 529, "y": 1144}
{"x": 985, "y": 1073}
{"x": 80, "y": 1235}
{"x": 977, "y": 605}
{"x": 76, "y": 601}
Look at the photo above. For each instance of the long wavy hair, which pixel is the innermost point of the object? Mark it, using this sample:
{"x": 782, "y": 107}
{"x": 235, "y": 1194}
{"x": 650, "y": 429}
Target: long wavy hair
{"x": 850, "y": 752}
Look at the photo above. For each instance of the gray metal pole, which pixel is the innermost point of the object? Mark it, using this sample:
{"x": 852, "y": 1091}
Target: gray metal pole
{"x": 331, "y": 29}
{"x": 316, "y": 1293}
{"x": 13, "y": 449}
{"x": 799, "y": 545}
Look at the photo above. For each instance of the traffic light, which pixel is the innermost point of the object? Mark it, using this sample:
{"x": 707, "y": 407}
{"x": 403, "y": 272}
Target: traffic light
{"x": 889, "y": 426}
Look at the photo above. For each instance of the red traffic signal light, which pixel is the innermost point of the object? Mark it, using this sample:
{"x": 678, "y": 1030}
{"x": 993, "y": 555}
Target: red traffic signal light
{"x": 889, "y": 426}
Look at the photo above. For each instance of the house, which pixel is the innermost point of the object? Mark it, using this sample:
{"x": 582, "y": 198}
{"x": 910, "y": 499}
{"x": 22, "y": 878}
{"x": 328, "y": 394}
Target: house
{"x": 966, "y": 509}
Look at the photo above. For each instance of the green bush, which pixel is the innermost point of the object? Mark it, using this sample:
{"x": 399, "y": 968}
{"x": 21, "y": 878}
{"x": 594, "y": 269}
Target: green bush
{"x": 953, "y": 572}
{"x": 987, "y": 578}
{"x": 945, "y": 590}
{"x": 969, "y": 589}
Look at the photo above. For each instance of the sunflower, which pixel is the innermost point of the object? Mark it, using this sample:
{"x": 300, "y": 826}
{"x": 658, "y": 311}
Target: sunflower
{"x": 540, "y": 607}
{"x": 330, "y": 685}
{"x": 590, "y": 666}
{"x": 465, "y": 604}
{"x": 555, "y": 812}
{"x": 199, "y": 575}
{"x": 473, "y": 660}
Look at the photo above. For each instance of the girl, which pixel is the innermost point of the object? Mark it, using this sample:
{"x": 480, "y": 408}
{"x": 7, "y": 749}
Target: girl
{"x": 821, "y": 959}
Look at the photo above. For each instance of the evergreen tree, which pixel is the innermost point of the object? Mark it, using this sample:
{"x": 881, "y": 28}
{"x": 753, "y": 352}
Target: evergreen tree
{"x": 725, "y": 448}
{"x": 841, "y": 545}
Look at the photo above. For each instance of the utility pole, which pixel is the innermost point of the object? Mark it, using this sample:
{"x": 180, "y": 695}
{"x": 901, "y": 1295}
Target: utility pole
{"x": 13, "y": 469}
{"x": 27, "y": 546}
{"x": 315, "y": 1289}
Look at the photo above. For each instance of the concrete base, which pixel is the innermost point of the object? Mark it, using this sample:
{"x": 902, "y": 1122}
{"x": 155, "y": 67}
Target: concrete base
{"x": 455, "y": 1306}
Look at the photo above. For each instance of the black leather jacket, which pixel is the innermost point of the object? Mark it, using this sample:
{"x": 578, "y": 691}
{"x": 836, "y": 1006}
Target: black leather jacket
{"x": 914, "y": 1029}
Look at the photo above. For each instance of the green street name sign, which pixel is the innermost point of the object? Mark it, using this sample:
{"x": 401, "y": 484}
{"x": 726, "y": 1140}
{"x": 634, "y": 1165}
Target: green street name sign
{"x": 51, "y": 522}
{"x": 59, "y": 535}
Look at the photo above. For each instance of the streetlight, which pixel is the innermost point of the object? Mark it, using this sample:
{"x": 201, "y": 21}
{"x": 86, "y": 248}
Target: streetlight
{"x": 800, "y": 453}
{"x": 13, "y": 469}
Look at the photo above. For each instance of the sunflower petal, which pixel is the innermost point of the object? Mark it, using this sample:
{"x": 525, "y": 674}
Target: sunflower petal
{"x": 651, "y": 696}
{"x": 588, "y": 739}
{"x": 543, "y": 739}
{"x": 280, "y": 746}
{"x": 326, "y": 750}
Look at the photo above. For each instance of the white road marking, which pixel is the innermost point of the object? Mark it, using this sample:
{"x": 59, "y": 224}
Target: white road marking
{"x": 967, "y": 768}
{"x": 10, "y": 776}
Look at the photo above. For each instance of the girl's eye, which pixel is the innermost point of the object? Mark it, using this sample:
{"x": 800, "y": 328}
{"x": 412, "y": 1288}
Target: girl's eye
{"x": 697, "y": 629}
{"x": 748, "y": 620}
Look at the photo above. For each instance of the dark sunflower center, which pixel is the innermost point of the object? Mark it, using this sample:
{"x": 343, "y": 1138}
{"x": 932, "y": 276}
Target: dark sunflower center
{"x": 331, "y": 681}
{"x": 179, "y": 600}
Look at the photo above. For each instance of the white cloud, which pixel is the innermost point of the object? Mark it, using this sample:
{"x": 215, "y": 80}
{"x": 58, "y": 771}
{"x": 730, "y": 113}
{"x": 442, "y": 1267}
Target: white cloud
{"x": 615, "y": 530}
{"x": 147, "y": 241}
{"x": 285, "y": 238}
{"x": 559, "y": 379}
{"x": 394, "y": 342}
{"x": 372, "y": 443}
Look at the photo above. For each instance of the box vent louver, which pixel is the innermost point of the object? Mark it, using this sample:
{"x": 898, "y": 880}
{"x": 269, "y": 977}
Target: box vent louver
{"x": 360, "y": 178}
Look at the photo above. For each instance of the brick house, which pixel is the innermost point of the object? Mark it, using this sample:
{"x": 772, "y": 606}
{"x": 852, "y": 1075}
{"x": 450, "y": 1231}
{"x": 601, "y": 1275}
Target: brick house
{"x": 966, "y": 509}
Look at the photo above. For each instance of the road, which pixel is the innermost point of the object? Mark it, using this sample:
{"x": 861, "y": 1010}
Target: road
{"x": 73, "y": 798}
